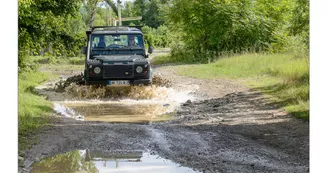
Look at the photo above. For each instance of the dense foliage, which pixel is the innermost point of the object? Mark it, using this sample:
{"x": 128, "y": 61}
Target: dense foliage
{"x": 210, "y": 27}
{"x": 300, "y": 20}
{"x": 202, "y": 30}
{"x": 160, "y": 37}
{"x": 43, "y": 29}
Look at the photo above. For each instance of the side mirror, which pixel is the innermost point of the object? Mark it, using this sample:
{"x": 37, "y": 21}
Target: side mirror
{"x": 84, "y": 50}
{"x": 150, "y": 49}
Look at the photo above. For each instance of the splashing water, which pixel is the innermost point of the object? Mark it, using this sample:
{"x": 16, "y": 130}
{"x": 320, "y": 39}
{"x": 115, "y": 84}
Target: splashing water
{"x": 136, "y": 104}
{"x": 67, "y": 112}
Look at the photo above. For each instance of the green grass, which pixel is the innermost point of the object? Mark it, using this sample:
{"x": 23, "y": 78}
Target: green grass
{"x": 33, "y": 110}
{"x": 163, "y": 59}
{"x": 62, "y": 68}
{"x": 58, "y": 60}
{"x": 168, "y": 58}
{"x": 59, "y": 65}
{"x": 280, "y": 75}
{"x": 76, "y": 60}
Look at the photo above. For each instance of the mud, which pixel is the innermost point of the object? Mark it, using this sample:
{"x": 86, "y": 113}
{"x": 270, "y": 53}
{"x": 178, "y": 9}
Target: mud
{"x": 217, "y": 126}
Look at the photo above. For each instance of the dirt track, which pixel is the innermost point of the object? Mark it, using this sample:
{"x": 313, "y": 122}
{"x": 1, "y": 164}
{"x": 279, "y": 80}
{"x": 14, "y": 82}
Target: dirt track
{"x": 229, "y": 128}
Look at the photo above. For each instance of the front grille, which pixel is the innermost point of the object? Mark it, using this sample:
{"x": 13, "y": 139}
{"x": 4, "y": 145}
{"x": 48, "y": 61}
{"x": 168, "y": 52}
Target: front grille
{"x": 118, "y": 71}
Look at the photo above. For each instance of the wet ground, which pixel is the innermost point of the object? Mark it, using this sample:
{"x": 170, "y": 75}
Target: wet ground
{"x": 191, "y": 125}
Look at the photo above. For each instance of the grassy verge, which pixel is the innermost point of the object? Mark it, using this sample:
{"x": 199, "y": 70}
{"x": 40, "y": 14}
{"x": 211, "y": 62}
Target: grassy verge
{"x": 58, "y": 60}
{"x": 33, "y": 110}
{"x": 59, "y": 65}
{"x": 166, "y": 58}
{"x": 162, "y": 59}
{"x": 280, "y": 75}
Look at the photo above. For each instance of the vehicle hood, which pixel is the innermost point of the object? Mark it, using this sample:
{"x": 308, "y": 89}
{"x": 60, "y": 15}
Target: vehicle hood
{"x": 120, "y": 58}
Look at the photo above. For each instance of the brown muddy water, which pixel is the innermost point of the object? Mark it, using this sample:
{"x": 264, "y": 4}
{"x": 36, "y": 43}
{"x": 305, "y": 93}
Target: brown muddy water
{"x": 119, "y": 104}
{"x": 128, "y": 110}
{"x": 103, "y": 162}
{"x": 116, "y": 112}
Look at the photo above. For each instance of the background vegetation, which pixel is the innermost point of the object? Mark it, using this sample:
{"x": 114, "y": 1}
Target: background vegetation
{"x": 197, "y": 31}
{"x": 210, "y": 29}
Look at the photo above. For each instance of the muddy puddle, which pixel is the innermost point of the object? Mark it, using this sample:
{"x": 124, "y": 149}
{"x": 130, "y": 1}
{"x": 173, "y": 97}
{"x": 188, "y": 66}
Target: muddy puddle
{"x": 126, "y": 104}
{"x": 116, "y": 111}
{"x": 159, "y": 107}
{"x": 92, "y": 161}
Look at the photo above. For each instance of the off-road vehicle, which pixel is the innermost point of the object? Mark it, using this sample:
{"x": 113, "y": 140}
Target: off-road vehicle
{"x": 116, "y": 56}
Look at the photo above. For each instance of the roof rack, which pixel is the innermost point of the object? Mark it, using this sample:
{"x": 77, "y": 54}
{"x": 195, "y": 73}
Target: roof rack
{"x": 117, "y": 27}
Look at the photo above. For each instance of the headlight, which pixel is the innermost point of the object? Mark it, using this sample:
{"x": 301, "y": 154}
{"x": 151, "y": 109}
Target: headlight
{"x": 97, "y": 70}
{"x": 139, "y": 69}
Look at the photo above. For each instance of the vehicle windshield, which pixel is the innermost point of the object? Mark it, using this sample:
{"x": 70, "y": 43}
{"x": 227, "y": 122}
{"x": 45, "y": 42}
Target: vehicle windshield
{"x": 116, "y": 41}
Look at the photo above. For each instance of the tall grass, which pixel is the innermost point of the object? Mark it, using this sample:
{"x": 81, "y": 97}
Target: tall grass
{"x": 281, "y": 75}
{"x": 164, "y": 59}
{"x": 57, "y": 60}
{"x": 33, "y": 110}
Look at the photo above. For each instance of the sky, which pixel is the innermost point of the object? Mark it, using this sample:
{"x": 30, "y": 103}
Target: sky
{"x": 102, "y": 4}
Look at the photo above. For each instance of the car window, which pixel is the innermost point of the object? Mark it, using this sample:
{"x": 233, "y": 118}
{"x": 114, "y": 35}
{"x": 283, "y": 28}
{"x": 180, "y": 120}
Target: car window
{"x": 115, "y": 41}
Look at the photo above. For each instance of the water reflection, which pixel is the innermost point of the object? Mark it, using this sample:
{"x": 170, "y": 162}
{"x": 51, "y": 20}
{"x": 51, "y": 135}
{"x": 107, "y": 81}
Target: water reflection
{"x": 100, "y": 161}
{"x": 70, "y": 162}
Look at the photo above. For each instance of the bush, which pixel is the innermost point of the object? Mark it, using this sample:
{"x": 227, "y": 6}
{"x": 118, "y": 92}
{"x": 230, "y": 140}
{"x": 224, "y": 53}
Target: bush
{"x": 159, "y": 37}
{"x": 76, "y": 60}
{"x": 212, "y": 27}
{"x": 297, "y": 47}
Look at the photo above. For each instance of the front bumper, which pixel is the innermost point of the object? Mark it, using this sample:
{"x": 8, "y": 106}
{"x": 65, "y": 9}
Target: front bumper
{"x": 132, "y": 82}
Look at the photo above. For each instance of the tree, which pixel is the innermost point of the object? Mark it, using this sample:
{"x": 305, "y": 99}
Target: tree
{"x": 139, "y": 7}
{"x": 300, "y": 20}
{"x": 128, "y": 10}
{"x": 112, "y": 6}
{"x": 210, "y": 27}
{"x": 151, "y": 15}
{"x": 90, "y": 7}
{"x": 42, "y": 23}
